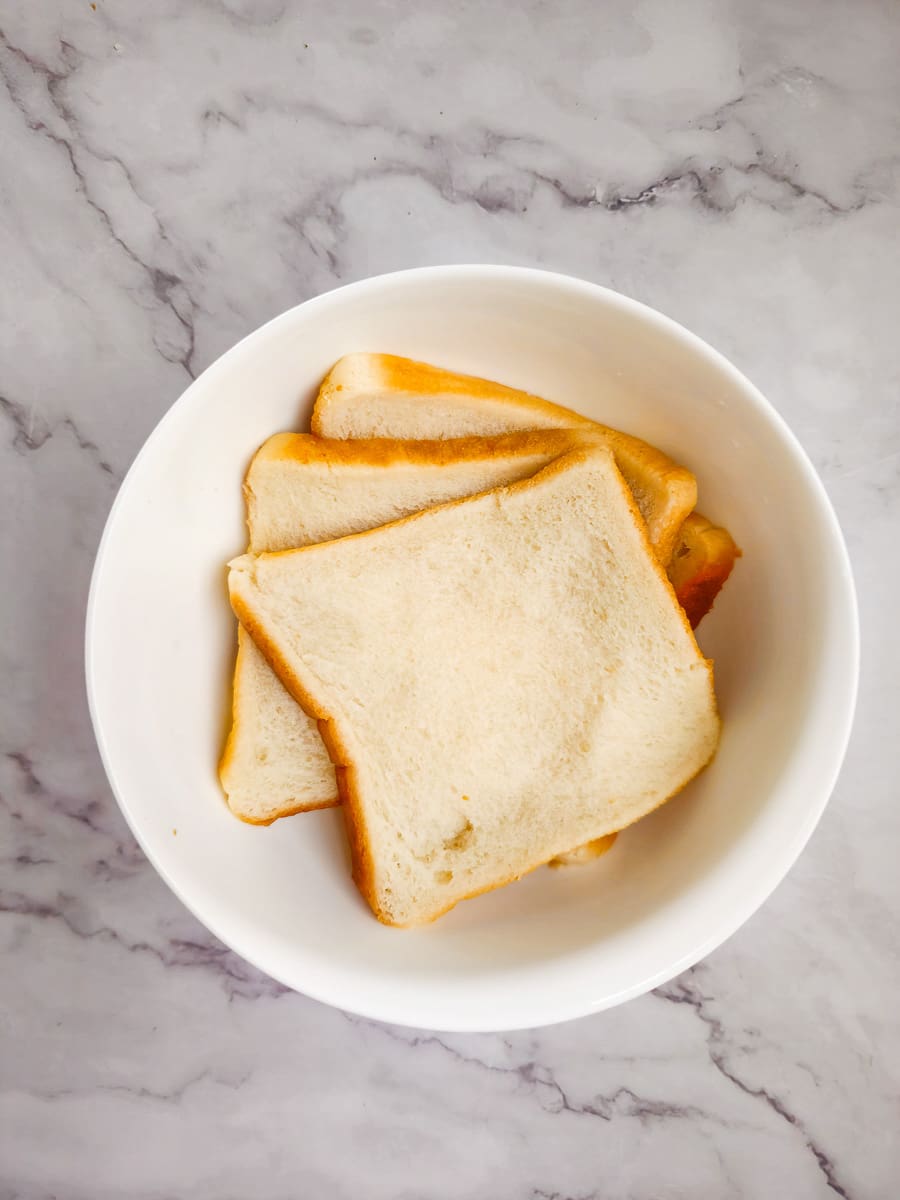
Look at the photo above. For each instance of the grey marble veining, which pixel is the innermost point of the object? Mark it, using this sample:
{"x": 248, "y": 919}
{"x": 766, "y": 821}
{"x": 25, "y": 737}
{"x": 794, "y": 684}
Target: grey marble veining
{"x": 173, "y": 174}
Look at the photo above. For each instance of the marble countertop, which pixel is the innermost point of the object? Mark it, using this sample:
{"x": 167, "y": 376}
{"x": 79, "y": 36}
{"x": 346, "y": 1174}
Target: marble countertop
{"x": 175, "y": 174}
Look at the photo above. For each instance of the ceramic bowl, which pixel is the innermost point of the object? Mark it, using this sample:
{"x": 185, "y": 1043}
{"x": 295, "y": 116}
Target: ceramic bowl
{"x": 558, "y": 944}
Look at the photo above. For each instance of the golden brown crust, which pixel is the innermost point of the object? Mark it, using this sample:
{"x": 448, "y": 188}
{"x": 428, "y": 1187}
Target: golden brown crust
{"x": 229, "y": 749}
{"x": 288, "y": 811}
{"x": 345, "y": 772}
{"x": 703, "y": 558}
{"x": 675, "y": 493}
{"x": 309, "y": 449}
{"x": 362, "y": 863}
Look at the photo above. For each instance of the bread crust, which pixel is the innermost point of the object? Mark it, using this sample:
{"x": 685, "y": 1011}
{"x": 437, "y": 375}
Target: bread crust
{"x": 289, "y": 811}
{"x": 701, "y": 563}
{"x": 345, "y": 770}
{"x": 310, "y": 448}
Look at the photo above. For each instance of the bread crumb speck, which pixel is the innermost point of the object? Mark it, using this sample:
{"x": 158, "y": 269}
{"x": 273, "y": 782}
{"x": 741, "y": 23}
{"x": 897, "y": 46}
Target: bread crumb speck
{"x": 174, "y": 833}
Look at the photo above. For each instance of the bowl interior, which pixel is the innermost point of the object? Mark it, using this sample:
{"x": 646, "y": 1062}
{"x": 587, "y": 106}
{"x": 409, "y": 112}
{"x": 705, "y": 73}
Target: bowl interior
{"x": 559, "y": 943}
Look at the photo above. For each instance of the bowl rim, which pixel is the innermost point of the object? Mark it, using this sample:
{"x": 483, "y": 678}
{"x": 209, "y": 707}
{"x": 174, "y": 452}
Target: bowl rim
{"x": 528, "y": 1013}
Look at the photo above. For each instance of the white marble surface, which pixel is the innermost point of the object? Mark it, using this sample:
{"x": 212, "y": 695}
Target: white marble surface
{"x": 174, "y": 174}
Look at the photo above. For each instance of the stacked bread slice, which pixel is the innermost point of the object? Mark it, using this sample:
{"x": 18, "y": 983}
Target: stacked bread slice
{"x": 454, "y": 617}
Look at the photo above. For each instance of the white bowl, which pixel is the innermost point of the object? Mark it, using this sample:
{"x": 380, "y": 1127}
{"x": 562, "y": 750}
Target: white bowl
{"x": 561, "y": 943}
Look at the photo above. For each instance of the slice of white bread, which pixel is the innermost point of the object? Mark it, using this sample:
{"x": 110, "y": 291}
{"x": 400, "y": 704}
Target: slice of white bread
{"x": 382, "y": 395}
{"x": 300, "y": 490}
{"x": 497, "y": 680}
